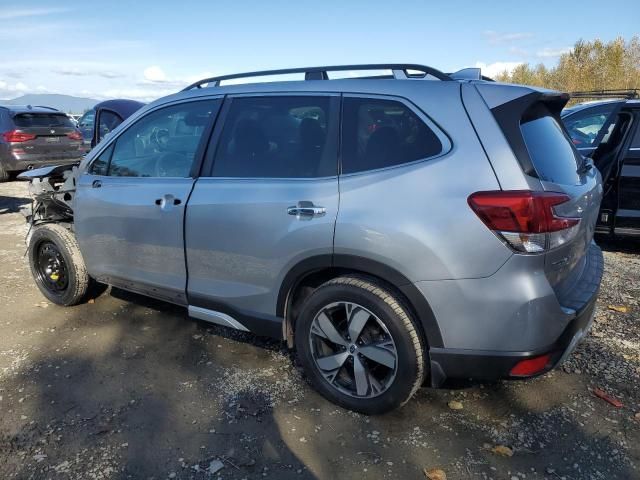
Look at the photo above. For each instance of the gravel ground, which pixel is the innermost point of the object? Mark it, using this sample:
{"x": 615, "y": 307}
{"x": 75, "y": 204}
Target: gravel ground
{"x": 127, "y": 387}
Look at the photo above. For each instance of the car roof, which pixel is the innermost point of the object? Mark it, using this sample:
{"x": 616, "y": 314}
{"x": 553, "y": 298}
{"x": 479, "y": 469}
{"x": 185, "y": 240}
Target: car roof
{"x": 17, "y": 109}
{"x": 593, "y": 103}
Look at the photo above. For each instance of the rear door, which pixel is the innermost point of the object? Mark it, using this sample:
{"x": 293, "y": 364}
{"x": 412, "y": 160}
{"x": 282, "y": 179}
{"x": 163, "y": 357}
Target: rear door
{"x": 627, "y": 221}
{"x": 55, "y": 134}
{"x": 267, "y": 200}
{"x": 130, "y": 203}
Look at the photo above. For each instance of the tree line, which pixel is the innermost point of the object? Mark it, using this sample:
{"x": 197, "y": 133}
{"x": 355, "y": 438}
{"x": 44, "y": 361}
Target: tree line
{"x": 589, "y": 65}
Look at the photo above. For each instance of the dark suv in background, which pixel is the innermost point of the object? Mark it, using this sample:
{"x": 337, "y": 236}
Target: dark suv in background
{"x": 608, "y": 132}
{"x": 34, "y": 136}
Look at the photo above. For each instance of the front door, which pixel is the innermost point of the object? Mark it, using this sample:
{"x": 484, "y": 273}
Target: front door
{"x": 268, "y": 202}
{"x": 130, "y": 202}
{"x": 628, "y": 213}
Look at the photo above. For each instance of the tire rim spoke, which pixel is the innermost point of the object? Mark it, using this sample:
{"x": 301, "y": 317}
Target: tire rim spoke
{"x": 325, "y": 328}
{"x": 382, "y": 353}
{"x": 332, "y": 362}
{"x": 358, "y": 317}
{"x": 361, "y": 376}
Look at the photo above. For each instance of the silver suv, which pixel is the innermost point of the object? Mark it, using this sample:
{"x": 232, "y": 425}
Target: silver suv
{"x": 395, "y": 230}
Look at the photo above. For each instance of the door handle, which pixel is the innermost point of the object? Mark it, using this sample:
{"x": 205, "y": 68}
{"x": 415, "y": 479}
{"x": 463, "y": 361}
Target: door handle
{"x": 96, "y": 184}
{"x": 306, "y": 210}
{"x": 167, "y": 199}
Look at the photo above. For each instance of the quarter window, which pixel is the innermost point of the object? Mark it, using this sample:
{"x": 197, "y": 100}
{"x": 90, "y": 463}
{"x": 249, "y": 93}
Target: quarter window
{"x": 382, "y": 133}
{"x": 163, "y": 143}
{"x": 277, "y": 137}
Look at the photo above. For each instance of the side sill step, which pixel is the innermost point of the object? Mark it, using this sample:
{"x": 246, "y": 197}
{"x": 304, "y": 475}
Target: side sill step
{"x": 218, "y": 318}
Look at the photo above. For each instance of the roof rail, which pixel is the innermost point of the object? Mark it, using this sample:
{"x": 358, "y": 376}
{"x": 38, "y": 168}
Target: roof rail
{"x": 399, "y": 70}
{"x": 619, "y": 93}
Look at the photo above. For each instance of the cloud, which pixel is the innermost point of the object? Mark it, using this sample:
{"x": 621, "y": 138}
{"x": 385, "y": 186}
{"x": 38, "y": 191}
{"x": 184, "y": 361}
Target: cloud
{"x": 498, "y": 38}
{"x": 8, "y": 90}
{"x": 520, "y": 52}
{"x": 78, "y": 72}
{"x": 494, "y": 69}
{"x": 552, "y": 52}
{"x": 13, "y": 13}
{"x": 154, "y": 74}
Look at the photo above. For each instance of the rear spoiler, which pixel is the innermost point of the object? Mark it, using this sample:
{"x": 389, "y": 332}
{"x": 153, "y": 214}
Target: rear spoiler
{"x": 529, "y": 104}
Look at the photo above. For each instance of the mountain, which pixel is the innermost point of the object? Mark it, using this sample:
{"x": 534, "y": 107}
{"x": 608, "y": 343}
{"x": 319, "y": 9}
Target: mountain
{"x": 66, "y": 103}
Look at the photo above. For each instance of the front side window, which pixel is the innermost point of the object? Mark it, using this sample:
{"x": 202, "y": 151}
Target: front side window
{"x": 277, "y": 137}
{"x": 583, "y": 127}
{"x": 163, "y": 143}
{"x": 379, "y": 133}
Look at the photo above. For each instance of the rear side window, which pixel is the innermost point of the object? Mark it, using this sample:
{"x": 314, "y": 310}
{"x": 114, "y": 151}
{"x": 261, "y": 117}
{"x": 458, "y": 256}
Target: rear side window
{"x": 552, "y": 154}
{"x": 29, "y": 120}
{"x": 379, "y": 133}
{"x": 278, "y": 137}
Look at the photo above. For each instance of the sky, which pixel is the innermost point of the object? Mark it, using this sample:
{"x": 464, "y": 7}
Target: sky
{"x": 147, "y": 49}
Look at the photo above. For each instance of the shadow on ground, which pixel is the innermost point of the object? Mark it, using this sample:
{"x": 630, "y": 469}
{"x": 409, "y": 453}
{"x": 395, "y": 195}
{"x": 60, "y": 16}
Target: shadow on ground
{"x": 128, "y": 387}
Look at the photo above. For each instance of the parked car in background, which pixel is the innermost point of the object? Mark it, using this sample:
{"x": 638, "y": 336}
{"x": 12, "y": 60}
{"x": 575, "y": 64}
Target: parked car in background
{"x": 85, "y": 124}
{"x": 33, "y": 136}
{"x": 96, "y": 123}
{"x": 462, "y": 245}
{"x": 608, "y": 132}
{"x": 74, "y": 118}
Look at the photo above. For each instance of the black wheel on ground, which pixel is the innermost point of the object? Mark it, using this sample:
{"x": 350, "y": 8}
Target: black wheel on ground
{"x": 57, "y": 265}
{"x": 359, "y": 346}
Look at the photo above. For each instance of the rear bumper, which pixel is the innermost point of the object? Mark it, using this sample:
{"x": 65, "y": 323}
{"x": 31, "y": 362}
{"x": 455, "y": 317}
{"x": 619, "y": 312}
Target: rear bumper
{"x": 493, "y": 364}
{"x": 12, "y": 164}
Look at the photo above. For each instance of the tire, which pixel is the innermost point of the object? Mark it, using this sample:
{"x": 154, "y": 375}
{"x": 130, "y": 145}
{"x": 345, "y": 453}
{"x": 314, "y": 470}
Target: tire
{"x": 54, "y": 244}
{"x": 387, "y": 329}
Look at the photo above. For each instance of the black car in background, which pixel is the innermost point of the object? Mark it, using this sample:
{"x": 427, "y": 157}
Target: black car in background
{"x": 35, "y": 136}
{"x": 608, "y": 132}
{"x": 96, "y": 123}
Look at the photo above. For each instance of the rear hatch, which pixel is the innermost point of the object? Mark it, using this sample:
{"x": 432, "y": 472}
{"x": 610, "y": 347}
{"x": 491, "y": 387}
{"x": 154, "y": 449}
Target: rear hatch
{"x": 47, "y": 135}
{"x": 546, "y": 152}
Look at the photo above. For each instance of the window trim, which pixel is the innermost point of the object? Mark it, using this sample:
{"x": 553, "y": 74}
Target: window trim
{"x": 335, "y": 114}
{"x": 133, "y": 120}
{"x": 443, "y": 137}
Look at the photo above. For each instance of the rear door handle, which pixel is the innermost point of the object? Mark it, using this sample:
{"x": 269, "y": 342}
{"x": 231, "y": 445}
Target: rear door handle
{"x": 306, "y": 210}
{"x": 96, "y": 184}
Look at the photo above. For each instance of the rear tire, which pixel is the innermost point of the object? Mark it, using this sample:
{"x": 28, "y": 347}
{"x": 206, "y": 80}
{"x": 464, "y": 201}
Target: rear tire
{"x": 370, "y": 356}
{"x": 57, "y": 265}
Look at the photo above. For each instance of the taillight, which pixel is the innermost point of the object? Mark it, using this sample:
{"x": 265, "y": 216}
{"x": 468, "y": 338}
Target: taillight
{"x": 75, "y": 135}
{"x": 525, "y": 220}
{"x": 14, "y": 136}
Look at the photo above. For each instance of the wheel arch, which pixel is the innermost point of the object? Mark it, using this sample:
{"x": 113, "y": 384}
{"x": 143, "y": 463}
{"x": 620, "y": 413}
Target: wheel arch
{"x": 313, "y": 271}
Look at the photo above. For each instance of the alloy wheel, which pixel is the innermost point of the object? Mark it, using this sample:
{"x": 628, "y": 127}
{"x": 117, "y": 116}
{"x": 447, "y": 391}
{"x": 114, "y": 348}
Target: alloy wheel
{"x": 353, "y": 350}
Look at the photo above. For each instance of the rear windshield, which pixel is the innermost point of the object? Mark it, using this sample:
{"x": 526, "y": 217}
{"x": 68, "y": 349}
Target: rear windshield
{"x": 26, "y": 120}
{"x": 553, "y": 156}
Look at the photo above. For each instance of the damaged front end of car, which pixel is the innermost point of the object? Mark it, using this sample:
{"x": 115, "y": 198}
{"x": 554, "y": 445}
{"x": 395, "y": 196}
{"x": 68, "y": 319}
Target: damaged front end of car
{"x": 52, "y": 190}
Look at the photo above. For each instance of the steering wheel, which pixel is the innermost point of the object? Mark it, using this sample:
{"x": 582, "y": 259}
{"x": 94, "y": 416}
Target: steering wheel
{"x": 160, "y": 138}
{"x": 172, "y": 164}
